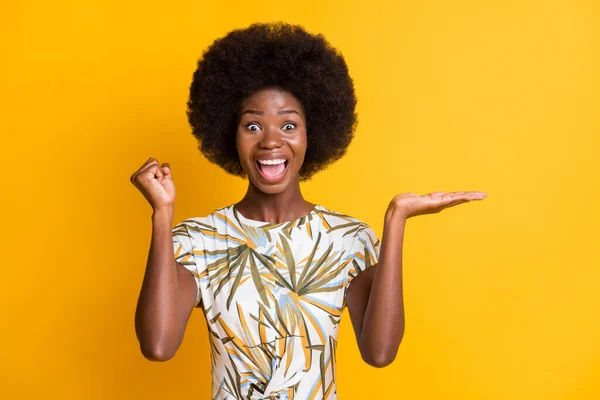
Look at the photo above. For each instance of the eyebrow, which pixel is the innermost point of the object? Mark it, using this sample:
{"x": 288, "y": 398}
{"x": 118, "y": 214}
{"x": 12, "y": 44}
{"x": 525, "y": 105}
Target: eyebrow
{"x": 282, "y": 112}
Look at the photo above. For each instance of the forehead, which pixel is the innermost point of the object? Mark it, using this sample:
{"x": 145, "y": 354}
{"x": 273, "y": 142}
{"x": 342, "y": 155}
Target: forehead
{"x": 271, "y": 100}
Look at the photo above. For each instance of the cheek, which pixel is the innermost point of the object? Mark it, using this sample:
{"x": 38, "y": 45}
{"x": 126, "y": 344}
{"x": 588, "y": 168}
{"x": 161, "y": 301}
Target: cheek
{"x": 299, "y": 147}
{"x": 299, "y": 139}
{"x": 302, "y": 144}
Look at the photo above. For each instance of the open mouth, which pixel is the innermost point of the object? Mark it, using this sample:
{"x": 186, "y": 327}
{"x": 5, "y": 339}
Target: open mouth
{"x": 272, "y": 172}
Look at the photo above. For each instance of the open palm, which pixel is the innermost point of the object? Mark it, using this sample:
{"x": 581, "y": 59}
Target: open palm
{"x": 411, "y": 204}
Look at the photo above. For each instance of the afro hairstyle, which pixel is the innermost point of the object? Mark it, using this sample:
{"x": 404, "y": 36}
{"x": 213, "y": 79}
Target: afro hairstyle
{"x": 267, "y": 55}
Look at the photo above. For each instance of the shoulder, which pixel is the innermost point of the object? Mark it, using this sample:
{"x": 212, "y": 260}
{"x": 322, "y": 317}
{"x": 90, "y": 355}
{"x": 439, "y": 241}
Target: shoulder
{"x": 211, "y": 222}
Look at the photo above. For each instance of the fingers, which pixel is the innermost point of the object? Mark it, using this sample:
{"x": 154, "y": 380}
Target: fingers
{"x": 452, "y": 197}
{"x": 454, "y": 203}
{"x": 435, "y": 195}
{"x": 151, "y": 160}
{"x": 148, "y": 164}
{"x": 462, "y": 195}
{"x": 444, "y": 200}
{"x": 456, "y": 198}
{"x": 152, "y": 170}
{"x": 166, "y": 169}
{"x": 475, "y": 195}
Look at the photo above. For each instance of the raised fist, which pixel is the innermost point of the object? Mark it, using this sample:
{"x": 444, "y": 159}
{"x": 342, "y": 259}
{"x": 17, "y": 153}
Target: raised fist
{"x": 156, "y": 183}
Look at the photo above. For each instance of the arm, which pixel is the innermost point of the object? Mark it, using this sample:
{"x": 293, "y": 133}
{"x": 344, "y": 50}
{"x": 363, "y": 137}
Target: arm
{"x": 169, "y": 290}
{"x": 167, "y": 295}
{"x": 375, "y": 299}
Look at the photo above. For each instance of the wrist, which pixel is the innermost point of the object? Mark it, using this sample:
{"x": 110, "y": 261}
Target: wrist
{"x": 163, "y": 213}
{"x": 395, "y": 213}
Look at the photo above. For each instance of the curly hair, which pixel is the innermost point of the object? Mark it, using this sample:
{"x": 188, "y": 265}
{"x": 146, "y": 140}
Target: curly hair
{"x": 272, "y": 55}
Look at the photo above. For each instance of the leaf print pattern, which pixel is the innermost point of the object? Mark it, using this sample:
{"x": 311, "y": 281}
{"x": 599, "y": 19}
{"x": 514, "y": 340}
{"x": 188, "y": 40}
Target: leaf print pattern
{"x": 272, "y": 295}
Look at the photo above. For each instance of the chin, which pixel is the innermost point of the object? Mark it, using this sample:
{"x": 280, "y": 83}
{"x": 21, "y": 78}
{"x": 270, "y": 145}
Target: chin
{"x": 270, "y": 188}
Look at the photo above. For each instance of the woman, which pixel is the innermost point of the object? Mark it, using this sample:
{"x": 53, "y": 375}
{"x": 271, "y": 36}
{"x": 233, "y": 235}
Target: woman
{"x": 273, "y": 272}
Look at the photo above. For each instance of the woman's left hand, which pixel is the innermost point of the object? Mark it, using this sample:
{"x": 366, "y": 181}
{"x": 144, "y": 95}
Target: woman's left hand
{"x": 411, "y": 204}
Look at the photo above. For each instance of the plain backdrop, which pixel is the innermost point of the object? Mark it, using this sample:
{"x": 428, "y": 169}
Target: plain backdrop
{"x": 497, "y": 96}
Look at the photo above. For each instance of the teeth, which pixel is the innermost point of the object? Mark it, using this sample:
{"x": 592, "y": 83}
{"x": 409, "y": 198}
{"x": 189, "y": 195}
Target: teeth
{"x": 271, "y": 162}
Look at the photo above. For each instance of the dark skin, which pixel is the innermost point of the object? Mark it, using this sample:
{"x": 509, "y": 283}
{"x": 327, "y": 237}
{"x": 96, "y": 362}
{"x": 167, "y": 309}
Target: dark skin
{"x": 272, "y": 126}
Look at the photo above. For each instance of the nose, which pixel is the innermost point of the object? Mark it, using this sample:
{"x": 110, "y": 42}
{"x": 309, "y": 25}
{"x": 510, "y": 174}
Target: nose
{"x": 271, "y": 139}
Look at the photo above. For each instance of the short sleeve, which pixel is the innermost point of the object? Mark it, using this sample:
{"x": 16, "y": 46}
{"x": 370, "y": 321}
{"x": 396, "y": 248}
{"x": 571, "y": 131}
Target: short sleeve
{"x": 366, "y": 249}
{"x": 364, "y": 254}
{"x": 183, "y": 247}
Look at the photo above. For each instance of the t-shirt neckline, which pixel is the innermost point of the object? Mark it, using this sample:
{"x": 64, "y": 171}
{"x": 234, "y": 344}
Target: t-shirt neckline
{"x": 264, "y": 224}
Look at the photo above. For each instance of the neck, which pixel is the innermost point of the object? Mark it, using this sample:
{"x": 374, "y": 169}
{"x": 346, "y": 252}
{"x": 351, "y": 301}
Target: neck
{"x": 273, "y": 208}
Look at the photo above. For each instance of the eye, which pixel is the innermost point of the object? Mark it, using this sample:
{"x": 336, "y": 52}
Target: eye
{"x": 252, "y": 126}
{"x": 289, "y": 126}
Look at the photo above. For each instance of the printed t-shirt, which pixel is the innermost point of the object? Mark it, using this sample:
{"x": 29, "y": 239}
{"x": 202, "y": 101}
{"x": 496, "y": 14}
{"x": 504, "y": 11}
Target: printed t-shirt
{"x": 272, "y": 295}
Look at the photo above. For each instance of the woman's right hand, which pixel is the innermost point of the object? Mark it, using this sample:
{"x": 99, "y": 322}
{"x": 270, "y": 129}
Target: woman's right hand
{"x": 156, "y": 183}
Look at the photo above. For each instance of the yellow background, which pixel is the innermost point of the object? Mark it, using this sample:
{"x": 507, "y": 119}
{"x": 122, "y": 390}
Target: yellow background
{"x": 500, "y": 96}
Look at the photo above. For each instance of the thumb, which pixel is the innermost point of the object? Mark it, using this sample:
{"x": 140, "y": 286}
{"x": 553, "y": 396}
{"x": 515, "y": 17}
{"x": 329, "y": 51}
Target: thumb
{"x": 166, "y": 169}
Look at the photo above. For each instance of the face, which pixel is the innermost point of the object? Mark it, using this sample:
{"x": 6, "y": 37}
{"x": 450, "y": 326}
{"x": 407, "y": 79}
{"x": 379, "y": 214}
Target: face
{"x": 271, "y": 139}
